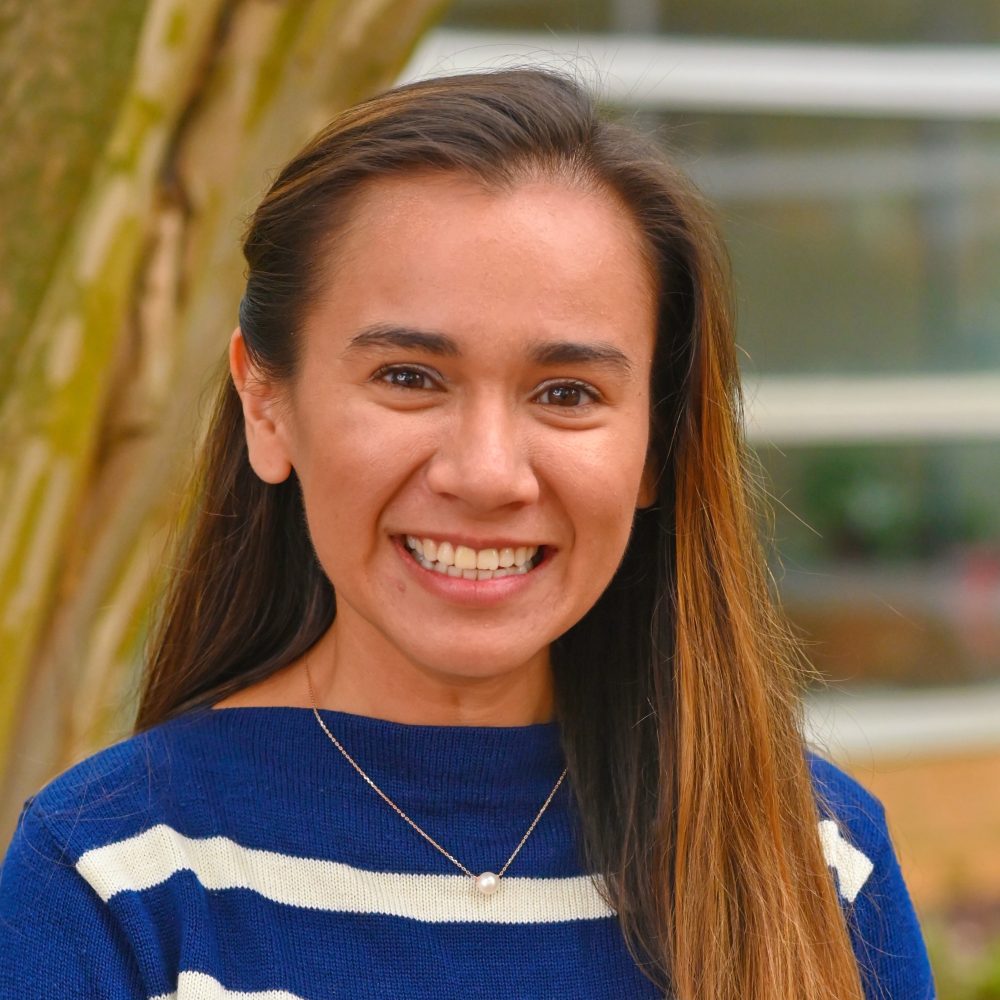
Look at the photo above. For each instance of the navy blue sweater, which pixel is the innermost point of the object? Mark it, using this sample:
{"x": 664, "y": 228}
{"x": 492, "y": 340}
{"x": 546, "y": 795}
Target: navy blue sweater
{"x": 236, "y": 854}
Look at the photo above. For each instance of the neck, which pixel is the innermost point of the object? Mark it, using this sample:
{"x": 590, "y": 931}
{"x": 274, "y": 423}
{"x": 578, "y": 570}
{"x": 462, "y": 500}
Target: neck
{"x": 347, "y": 677}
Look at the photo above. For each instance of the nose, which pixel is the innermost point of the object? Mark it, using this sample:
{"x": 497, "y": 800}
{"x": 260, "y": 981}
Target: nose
{"x": 483, "y": 459}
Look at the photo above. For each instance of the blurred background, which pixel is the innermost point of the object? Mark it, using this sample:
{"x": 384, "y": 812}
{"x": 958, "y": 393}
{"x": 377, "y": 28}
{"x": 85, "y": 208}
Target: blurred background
{"x": 853, "y": 153}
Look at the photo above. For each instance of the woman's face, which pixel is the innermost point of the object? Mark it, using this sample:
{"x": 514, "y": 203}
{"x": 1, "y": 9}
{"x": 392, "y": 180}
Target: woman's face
{"x": 470, "y": 417}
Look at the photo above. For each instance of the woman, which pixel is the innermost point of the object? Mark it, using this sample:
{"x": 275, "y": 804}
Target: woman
{"x": 545, "y": 739}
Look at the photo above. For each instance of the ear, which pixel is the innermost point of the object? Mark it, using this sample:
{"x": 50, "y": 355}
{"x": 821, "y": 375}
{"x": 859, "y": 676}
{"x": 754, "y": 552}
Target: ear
{"x": 262, "y": 418}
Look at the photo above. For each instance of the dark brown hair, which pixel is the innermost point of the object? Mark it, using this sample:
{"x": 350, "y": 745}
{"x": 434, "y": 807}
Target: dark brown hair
{"x": 677, "y": 693}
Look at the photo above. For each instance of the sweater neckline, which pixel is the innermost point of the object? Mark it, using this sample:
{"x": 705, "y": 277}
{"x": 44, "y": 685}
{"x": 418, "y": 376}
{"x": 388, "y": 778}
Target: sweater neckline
{"x": 416, "y": 762}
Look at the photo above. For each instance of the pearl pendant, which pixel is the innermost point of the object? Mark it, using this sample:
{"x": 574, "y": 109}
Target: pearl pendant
{"x": 488, "y": 883}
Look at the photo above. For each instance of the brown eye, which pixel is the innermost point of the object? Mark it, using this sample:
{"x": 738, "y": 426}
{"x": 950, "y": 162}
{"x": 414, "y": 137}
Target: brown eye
{"x": 405, "y": 378}
{"x": 568, "y": 395}
{"x": 564, "y": 395}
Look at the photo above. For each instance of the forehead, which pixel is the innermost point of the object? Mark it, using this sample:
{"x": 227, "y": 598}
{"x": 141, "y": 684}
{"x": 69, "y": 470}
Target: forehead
{"x": 445, "y": 252}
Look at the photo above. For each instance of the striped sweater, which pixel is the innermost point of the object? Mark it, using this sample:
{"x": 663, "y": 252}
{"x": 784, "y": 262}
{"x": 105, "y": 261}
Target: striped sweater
{"x": 234, "y": 854}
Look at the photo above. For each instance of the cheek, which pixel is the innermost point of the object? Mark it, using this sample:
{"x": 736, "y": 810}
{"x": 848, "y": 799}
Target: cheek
{"x": 350, "y": 464}
{"x": 601, "y": 479}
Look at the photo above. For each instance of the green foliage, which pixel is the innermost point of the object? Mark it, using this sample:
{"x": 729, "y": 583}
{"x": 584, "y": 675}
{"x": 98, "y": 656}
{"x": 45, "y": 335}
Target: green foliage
{"x": 887, "y": 503}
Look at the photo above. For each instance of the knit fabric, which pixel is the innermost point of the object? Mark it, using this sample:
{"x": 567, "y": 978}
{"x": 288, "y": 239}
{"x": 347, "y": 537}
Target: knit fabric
{"x": 235, "y": 854}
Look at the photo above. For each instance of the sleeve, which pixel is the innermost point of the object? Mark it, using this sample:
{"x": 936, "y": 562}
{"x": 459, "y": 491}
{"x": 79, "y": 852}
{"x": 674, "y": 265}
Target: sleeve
{"x": 57, "y": 939}
{"x": 886, "y": 934}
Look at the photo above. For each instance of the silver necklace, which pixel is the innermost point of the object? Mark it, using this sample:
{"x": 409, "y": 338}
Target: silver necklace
{"x": 487, "y": 882}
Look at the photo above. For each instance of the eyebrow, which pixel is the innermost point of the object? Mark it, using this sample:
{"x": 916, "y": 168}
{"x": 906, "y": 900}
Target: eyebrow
{"x": 548, "y": 353}
{"x": 380, "y": 335}
{"x": 568, "y": 352}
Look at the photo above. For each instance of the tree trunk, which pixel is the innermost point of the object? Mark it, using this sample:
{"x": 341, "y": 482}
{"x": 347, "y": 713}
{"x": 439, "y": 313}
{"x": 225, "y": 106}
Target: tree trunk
{"x": 100, "y": 417}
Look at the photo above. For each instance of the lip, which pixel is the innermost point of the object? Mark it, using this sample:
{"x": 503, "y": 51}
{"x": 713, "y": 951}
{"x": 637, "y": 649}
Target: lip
{"x": 470, "y": 593}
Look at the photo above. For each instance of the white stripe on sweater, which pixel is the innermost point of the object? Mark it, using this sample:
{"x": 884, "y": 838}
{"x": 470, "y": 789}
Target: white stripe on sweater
{"x": 202, "y": 986}
{"x": 851, "y": 865}
{"x": 151, "y": 857}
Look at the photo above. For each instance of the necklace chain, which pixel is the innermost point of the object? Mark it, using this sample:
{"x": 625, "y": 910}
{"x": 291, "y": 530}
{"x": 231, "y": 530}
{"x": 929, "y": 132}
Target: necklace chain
{"x": 402, "y": 815}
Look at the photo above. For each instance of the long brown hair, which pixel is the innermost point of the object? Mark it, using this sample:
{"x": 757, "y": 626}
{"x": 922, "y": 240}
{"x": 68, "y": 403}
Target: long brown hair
{"x": 677, "y": 693}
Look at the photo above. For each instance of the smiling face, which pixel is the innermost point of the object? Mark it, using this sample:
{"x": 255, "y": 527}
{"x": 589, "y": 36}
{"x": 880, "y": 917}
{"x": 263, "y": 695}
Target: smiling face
{"x": 469, "y": 419}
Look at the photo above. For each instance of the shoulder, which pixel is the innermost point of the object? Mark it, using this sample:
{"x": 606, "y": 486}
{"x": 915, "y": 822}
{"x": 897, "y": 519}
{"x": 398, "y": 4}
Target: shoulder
{"x": 847, "y": 808}
{"x": 852, "y": 826}
{"x": 56, "y": 924}
{"x": 116, "y": 792}
{"x": 858, "y": 848}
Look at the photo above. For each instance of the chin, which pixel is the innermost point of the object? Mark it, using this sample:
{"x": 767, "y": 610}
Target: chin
{"x": 479, "y": 664}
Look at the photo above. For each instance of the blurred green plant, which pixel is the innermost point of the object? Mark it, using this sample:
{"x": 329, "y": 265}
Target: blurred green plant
{"x": 888, "y": 503}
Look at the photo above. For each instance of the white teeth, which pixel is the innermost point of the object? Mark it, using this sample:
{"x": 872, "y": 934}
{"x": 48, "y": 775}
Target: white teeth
{"x": 487, "y": 559}
{"x": 465, "y": 558}
{"x": 468, "y": 563}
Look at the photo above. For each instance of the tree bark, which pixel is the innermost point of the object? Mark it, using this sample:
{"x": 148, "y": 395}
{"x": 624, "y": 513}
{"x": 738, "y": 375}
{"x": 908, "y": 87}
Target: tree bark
{"x": 103, "y": 409}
